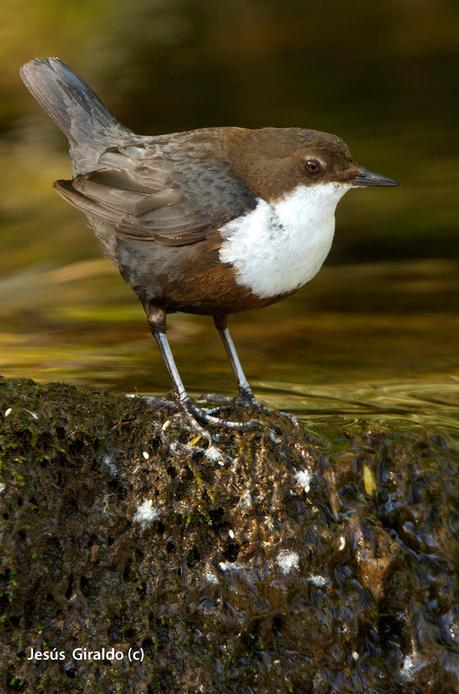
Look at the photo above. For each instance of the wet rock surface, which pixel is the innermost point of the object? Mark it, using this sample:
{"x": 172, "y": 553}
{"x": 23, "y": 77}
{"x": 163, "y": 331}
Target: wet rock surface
{"x": 282, "y": 560}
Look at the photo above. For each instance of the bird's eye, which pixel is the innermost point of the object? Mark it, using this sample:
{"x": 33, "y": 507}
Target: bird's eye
{"x": 313, "y": 166}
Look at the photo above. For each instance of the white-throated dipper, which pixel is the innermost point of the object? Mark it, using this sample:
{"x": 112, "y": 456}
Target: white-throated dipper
{"x": 210, "y": 221}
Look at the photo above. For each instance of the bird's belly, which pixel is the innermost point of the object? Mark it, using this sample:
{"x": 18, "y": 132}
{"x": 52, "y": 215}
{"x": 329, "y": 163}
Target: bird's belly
{"x": 184, "y": 278}
{"x": 272, "y": 258}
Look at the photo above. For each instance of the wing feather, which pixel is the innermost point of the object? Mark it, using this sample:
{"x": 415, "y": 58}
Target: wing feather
{"x": 173, "y": 200}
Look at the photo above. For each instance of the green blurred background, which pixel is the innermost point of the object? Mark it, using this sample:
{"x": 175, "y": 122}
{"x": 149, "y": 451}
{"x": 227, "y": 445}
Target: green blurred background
{"x": 377, "y": 330}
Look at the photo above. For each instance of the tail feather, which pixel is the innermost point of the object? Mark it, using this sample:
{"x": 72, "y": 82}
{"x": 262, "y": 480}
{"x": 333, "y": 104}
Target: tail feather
{"x": 74, "y": 107}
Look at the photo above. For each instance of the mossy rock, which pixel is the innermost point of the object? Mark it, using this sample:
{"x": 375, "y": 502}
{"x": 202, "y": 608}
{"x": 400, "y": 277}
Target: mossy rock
{"x": 279, "y": 560}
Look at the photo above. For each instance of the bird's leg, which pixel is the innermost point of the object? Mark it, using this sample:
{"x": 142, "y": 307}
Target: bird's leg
{"x": 246, "y": 395}
{"x": 157, "y": 322}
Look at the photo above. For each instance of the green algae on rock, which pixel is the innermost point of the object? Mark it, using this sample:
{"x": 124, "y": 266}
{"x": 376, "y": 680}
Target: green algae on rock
{"x": 275, "y": 561}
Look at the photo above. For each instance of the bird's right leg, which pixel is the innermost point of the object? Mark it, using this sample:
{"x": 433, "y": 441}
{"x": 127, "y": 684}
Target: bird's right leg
{"x": 157, "y": 322}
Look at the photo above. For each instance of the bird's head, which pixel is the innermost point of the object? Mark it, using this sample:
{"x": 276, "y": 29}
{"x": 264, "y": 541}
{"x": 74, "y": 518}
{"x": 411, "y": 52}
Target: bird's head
{"x": 275, "y": 162}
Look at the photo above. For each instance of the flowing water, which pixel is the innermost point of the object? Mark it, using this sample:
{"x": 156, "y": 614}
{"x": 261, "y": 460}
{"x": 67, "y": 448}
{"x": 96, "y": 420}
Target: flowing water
{"x": 376, "y": 333}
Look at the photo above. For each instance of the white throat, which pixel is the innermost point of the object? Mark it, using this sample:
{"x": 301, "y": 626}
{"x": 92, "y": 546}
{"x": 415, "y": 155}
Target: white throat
{"x": 278, "y": 247}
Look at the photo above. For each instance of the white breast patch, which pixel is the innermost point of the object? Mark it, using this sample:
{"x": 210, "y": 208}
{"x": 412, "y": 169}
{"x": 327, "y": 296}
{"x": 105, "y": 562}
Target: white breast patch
{"x": 278, "y": 247}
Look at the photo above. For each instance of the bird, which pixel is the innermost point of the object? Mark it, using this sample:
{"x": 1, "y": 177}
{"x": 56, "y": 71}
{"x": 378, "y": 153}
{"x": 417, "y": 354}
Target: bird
{"x": 211, "y": 221}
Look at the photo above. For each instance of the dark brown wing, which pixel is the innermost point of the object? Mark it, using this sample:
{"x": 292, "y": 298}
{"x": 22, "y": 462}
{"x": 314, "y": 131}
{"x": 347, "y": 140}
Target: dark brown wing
{"x": 166, "y": 194}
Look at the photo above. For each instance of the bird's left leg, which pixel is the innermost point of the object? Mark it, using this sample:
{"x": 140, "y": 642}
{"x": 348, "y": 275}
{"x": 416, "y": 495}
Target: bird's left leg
{"x": 245, "y": 396}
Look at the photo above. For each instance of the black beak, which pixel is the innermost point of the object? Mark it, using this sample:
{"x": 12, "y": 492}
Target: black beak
{"x": 368, "y": 178}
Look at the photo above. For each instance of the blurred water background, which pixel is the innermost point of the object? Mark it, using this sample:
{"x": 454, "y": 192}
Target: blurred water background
{"x": 376, "y": 333}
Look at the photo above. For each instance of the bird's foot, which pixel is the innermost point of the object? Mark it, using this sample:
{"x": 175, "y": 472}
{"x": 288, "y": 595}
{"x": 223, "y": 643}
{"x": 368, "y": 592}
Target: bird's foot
{"x": 246, "y": 398}
{"x": 207, "y": 417}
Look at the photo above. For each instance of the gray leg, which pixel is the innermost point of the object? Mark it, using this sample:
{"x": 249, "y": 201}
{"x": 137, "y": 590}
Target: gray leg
{"x": 245, "y": 392}
{"x": 246, "y": 395}
{"x": 157, "y": 322}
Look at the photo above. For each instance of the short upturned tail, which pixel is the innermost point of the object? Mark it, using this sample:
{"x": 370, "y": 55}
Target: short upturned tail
{"x": 71, "y": 103}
